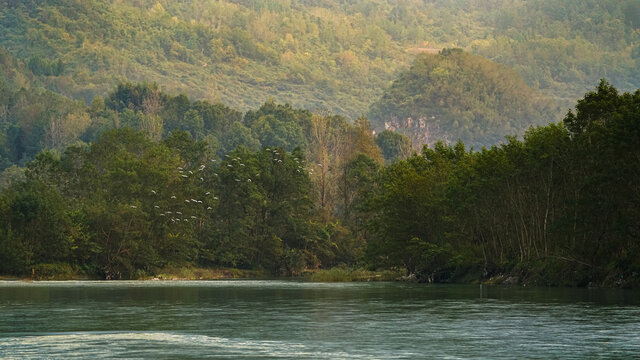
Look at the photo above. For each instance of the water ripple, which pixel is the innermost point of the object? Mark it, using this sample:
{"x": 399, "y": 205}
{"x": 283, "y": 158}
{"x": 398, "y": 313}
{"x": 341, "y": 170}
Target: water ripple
{"x": 288, "y": 319}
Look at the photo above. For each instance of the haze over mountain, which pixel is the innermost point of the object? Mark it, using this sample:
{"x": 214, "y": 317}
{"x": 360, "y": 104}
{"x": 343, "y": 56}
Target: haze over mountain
{"x": 329, "y": 55}
{"x": 456, "y": 95}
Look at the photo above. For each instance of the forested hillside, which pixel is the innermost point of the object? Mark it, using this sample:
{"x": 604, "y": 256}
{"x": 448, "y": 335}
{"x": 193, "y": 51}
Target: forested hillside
{"x": 328, "y": 55}
{"x": 137, "y": 135}
{"x": 456, "y": 95}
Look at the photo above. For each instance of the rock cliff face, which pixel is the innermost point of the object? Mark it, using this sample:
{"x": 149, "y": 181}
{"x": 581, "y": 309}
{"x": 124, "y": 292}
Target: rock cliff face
{"x": 456, "y": 95}
{"x": 426, "y": 130}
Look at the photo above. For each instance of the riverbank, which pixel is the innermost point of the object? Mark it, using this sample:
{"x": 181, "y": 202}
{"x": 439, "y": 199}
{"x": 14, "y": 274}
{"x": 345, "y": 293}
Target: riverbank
{"x": 573, "y": 278}
{"x": 61, "y": 273}
{"x": 337, "y": 274}
{"x": 340, "y": 274}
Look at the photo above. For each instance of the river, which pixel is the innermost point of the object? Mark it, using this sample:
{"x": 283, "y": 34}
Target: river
{"x": 290, "y": 319}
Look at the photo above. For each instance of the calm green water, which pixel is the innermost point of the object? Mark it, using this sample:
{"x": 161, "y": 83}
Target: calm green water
{"x": 287, "y": 319}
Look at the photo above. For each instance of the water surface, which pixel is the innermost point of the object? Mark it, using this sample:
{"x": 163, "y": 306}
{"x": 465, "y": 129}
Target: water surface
{"x": 289, "y": 319}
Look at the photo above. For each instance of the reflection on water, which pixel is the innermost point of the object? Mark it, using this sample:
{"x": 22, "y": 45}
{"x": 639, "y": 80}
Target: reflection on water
{"x": 289, "y": 319}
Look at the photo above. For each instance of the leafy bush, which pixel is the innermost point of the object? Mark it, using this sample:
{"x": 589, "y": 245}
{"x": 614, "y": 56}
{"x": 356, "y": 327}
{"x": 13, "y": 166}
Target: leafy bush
{"x": 55, "y": 271}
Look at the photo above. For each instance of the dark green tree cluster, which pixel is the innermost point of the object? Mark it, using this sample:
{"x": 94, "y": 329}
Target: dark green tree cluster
{"x": 147, "y": 180}
{"x": 301, "y": 191}
{"x": 45, "y": 67}
{"x": 126, "y": 206}
{"x": 558, "y": 207}
{"x": 35, "y": 119}
{"x": 393, "y": 145}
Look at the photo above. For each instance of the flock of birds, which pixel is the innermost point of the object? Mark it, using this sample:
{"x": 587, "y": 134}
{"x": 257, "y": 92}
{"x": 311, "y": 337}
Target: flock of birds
{"x": 180, "y": 211}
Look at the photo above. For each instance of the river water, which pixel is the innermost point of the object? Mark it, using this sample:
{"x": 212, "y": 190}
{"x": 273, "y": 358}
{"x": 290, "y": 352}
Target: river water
{"x": 287, "y": 319}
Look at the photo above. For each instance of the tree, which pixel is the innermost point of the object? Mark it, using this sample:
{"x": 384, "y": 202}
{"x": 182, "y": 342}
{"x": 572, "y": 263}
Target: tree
{"x": 238, "y": 135}
{"x": 36, "y": 227}
{"x": 394, "y": 146}
{"x": 271, "y": 131}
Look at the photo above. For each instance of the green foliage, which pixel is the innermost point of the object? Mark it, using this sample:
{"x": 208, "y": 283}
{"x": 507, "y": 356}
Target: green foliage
{"x": 559, "y": 207}
{"x": 166, "y": 182}
{"x": 341, "y": 274}
{"x": 36, "y": 227}
{"x": 136, "y": 97}
{"x": 57, "y": 271}
{"x": 394, "y": 145}
{"x": 45, "y": 67}
{"x": 11, "y": 175}
{"x": 332, "y": 55}
{"x": 38, "y": 119}
{"x": 125, "y": 206}
{"x": 239, "y": 135}
{"x": 279, "y": 125}
{"x": 457, "y": 95}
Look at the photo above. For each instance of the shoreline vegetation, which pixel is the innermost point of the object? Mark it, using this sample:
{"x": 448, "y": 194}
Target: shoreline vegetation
{"x": 332, "y": 275}
{"x": 189, "y": 140}
{"x": 557, "y": 207}
{"x": 337, "y": 274}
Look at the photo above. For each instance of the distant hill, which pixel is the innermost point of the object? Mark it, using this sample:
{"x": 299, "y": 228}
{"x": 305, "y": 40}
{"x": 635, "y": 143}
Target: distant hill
{"x": 456, "y": 95}
{"x": 321, "y": 54}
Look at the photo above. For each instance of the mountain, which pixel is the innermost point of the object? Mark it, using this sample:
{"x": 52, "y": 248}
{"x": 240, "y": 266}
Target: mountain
{"x": 456, "y": 95}
{"x": 320, "y": 55}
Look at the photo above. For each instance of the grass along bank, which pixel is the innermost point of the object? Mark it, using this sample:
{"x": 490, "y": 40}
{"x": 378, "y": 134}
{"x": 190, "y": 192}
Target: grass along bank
{"x": 341, "y": 274}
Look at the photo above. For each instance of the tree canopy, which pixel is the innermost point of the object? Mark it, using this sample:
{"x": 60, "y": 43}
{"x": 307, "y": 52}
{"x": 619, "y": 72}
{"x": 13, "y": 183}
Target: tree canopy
{"x": 456, "y": 95}
{"x": 329, "y": 55}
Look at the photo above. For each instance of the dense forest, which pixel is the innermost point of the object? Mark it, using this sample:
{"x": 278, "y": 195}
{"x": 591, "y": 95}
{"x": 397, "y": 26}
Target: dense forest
{"x": 456, "y": 95}
{"x": 140, "y": 135}
{"x": 559, "y": 207}
{"x": 319, "y": 55}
